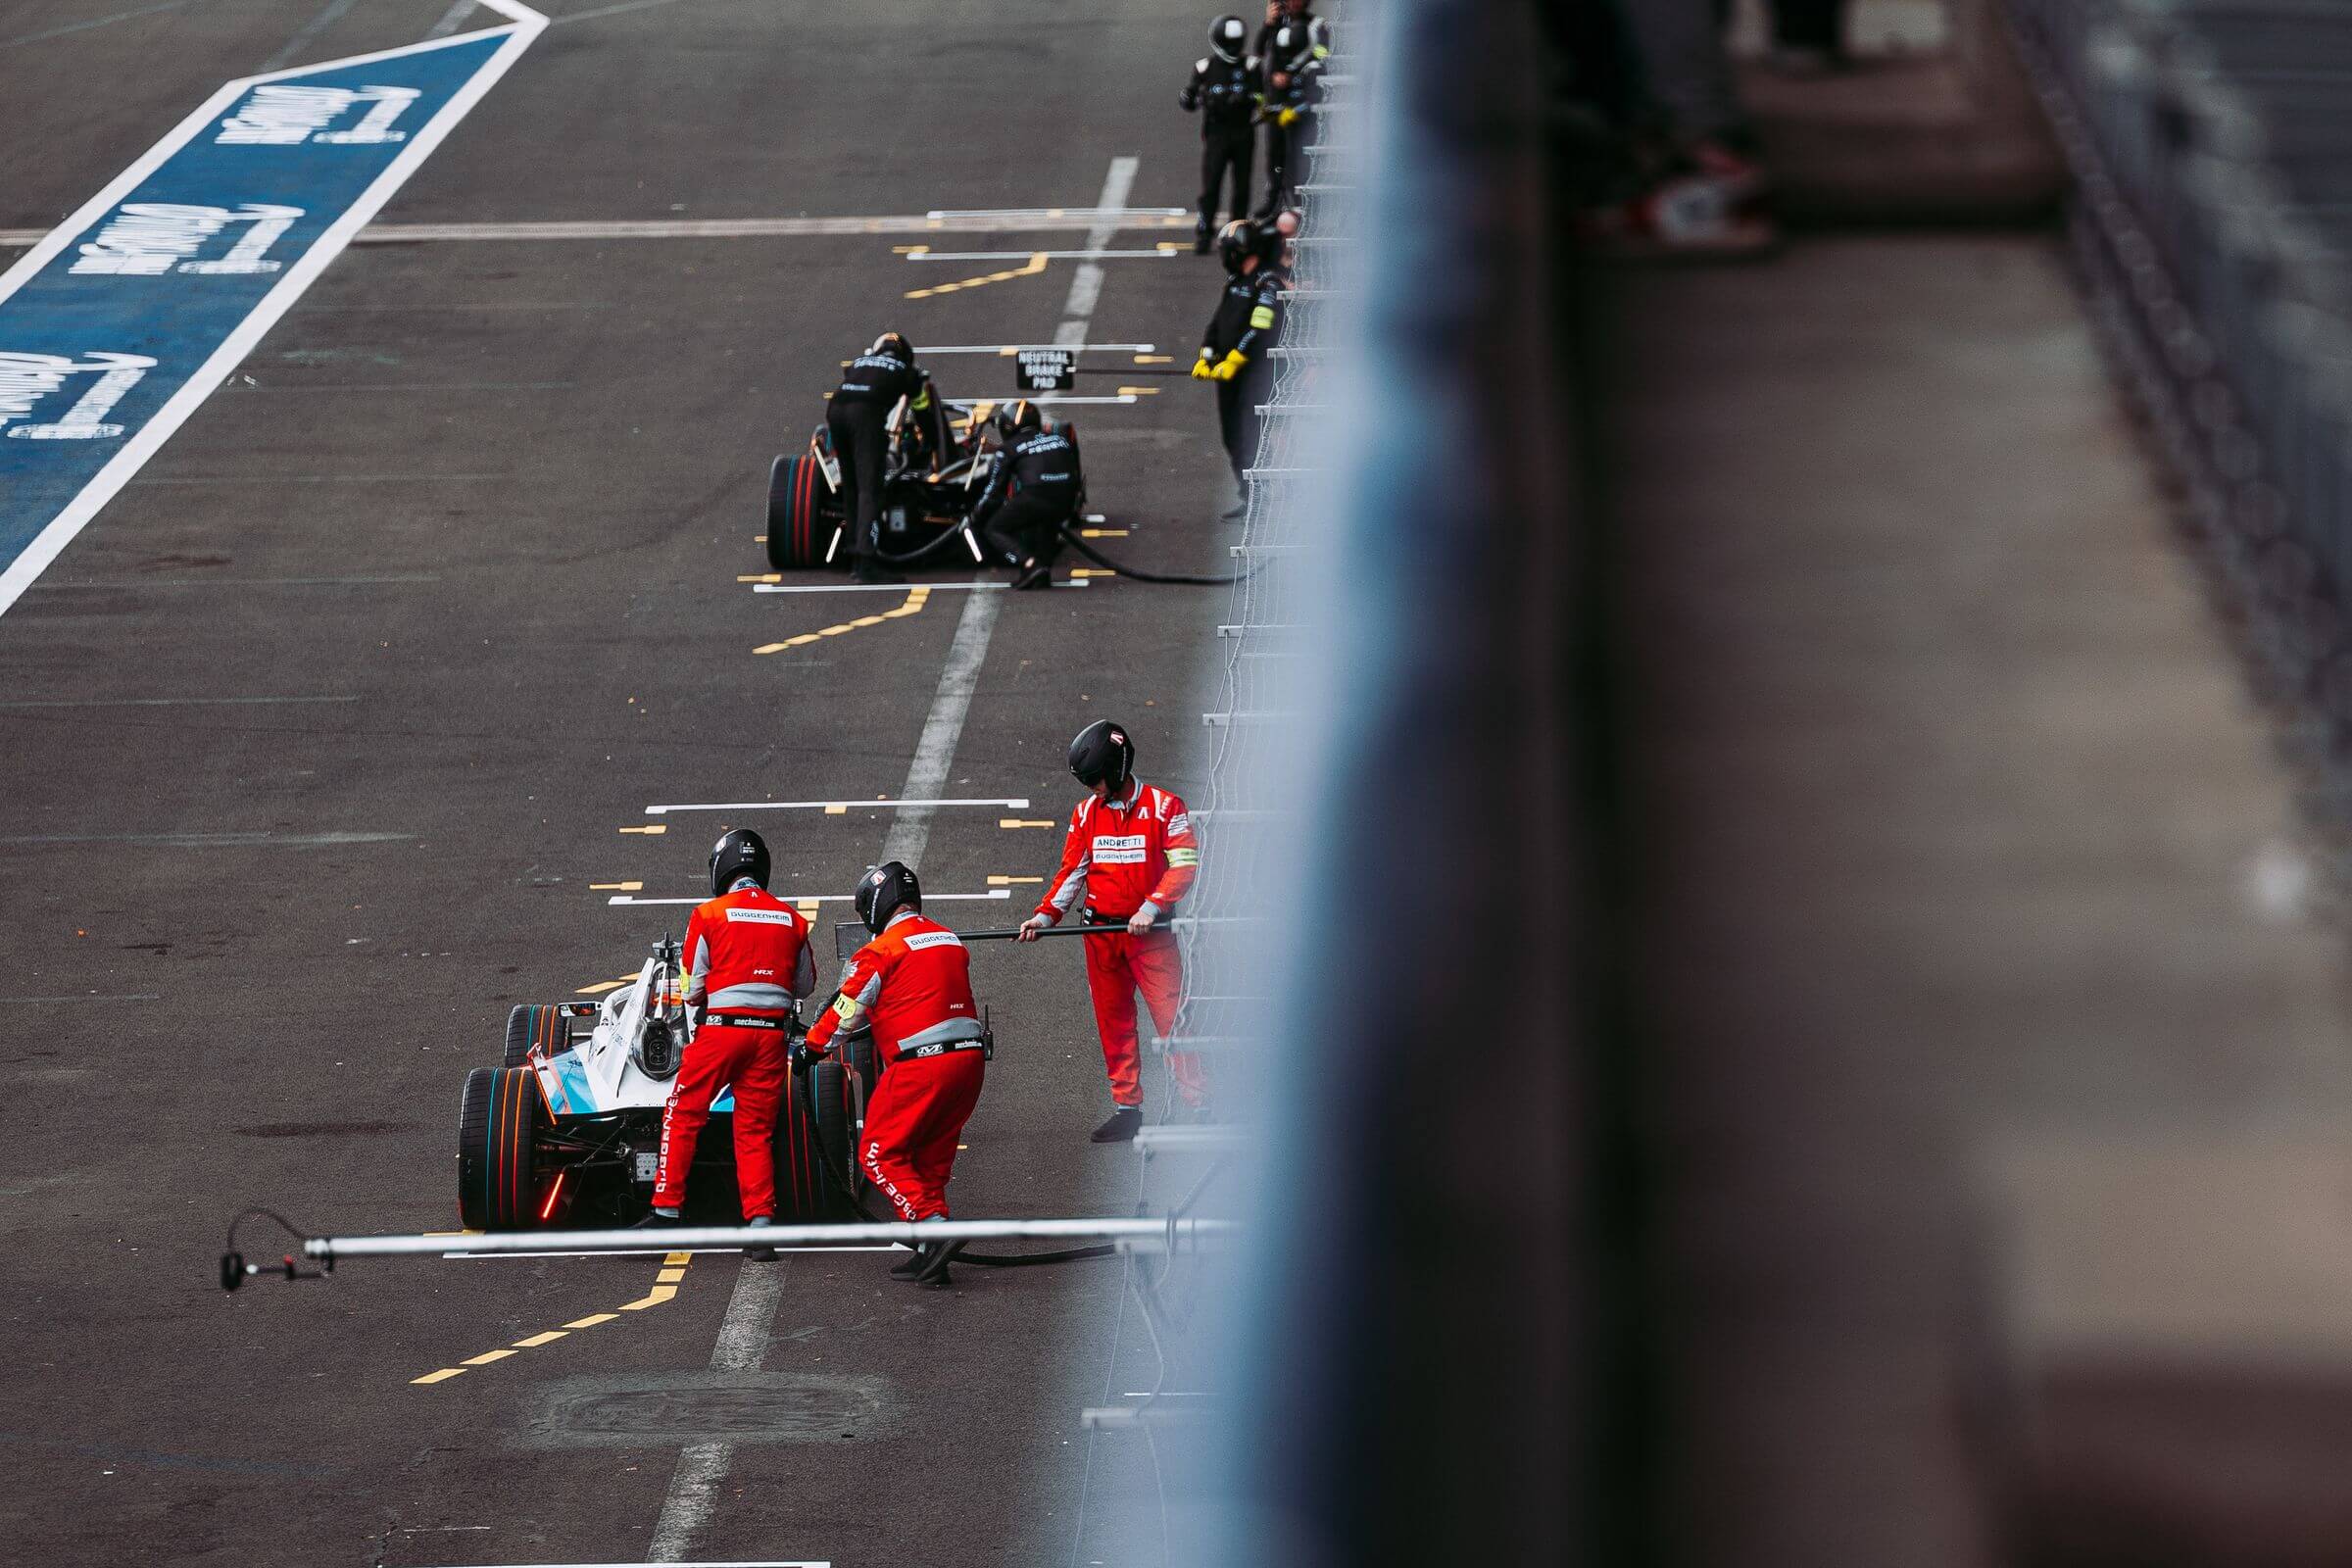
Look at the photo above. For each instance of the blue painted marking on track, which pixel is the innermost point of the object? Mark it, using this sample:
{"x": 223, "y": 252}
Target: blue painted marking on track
{"x": 100, "y": 335}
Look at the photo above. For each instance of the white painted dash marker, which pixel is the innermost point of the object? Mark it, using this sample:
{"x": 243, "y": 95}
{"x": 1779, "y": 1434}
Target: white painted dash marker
{"x": 875, "y": 803}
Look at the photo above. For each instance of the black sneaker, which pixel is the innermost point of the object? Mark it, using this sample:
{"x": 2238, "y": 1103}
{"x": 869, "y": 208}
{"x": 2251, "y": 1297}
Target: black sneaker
{"x": 1035, "y": 574}
{"x": 1200, "y": 238}
{"x": 760, "y": 1254}
{"x": 934, "y": 1271}
{"x": 1122, "y": 1128}
{"x": 907, "y": 1267}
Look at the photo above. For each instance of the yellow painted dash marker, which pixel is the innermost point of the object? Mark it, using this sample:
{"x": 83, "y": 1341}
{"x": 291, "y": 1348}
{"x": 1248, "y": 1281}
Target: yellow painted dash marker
{"x": 617, "y": 887}
{"x": 1015, "y": 821}
{"x": 867, "y": 620}
{"x": 837, "y": 811}
{"x": 1092, "y": 571}
{"x": 600, "y": 986}
{"x": 537, "y": 1339}
{"x": 670, "y": 1276}
{"x": 1101, "y": 533}
{"x": 457, "y": 1233}
{"x": 1139, "y": 391}
{"x": 1156, "y": 359}
{"x": 908, "y": 250}
{"x": 653, "y": 1297}
{"x": 758, "y": 538}
{"x": 760, "y": 576}
{"x": 591, "y": 1320}
{"x": 487, "y": 1356}
{"x": 442, "y": 1376}
{"x": 808, "y": 909}
{"x": 1011, "y": 881}
{"x": 1169, "y": 245}
{"x": 652, "y": 830}
{"x": 677, "y": 1260}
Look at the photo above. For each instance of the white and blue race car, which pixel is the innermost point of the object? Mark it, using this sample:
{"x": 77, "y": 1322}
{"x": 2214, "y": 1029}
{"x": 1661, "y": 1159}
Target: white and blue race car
{"x": 568, "y": 1128}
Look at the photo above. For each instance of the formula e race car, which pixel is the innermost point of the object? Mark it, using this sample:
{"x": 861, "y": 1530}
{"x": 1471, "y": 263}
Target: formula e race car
{"x": 568, "y": 1127}
{"x": 927, "y": 496}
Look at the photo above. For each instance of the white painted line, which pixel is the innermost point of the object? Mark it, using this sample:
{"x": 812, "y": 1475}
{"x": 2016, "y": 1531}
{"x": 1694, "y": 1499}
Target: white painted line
{"x": 829, "y": 806}
{"x": 497, "y": 1257}
{"x": 119, "y": 583}
{"x": 1009, "y": 349}
{"x": 451, "y": 20}
{"x": 208, "y": 840}
{"x": 889, "y": 588}
{"x": 527, "y": 24}
{"x": 554, "y": 229}
{"x": 1107, "y": 207}
{"x": 27, "y": 1001}
{"x": 1044, "y": 397}
{"x": 816, "y": 898}
{"x": 764, "y": 1562}
{"x": 308, "y": 32}
{"x": 1154, "y": 255}
{"x": 166, "y": 701}
{"x": 610, "y": 11}
{"x": 1086, "y": 285}
{"x": 693, "y": 1495}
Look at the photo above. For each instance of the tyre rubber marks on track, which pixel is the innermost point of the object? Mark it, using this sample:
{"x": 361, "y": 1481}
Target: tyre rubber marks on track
{"x": 664, "y": 1289}
{"x": 916, "y": 598}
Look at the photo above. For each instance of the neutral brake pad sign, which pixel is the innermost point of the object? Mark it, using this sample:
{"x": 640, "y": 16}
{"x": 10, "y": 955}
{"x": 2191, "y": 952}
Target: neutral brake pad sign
{"x": 119, "y": 323}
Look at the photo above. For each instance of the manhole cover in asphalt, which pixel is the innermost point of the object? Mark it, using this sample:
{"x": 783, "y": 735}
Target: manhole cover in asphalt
{"x": 672, "y": 1409}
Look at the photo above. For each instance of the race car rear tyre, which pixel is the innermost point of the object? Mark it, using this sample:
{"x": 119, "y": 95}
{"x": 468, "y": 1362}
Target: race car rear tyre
{"x": 836, "y": 1121}
{"x": 499, "y": 1118}
{"x": 532, "y": 1026}
{"x": 801, "y": 515}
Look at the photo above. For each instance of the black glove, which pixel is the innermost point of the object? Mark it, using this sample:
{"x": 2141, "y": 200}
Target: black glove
{"x": 803, "y": 1055}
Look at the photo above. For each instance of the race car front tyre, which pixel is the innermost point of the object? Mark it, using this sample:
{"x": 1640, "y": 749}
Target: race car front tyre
{"x": 530, "y": 1027}
{"x": 836, "y": 1121}
{"x": 802, "y": 514}
{"x": 499, "y": 1118}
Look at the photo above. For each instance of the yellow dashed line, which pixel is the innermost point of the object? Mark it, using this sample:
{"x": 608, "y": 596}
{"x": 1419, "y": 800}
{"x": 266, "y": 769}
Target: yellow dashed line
{"x": 1101, "y": 533}
{"x": 1011, "y": 881}
{"x": 1015, "y": 821}
{"x": 910, "y": 250}
{"x": 1139, "y": 391}
{"x": 615, "y": 887}
{"x": 1156, "y": 359}
{"x": 656, "y": 830}
{"x": 916, "y": 598}
{"x": 837, "y": 811}
{"x": 760, "y": 576}
{"x": 666, "y": 1288}
{"x": 1092, "y": 571}
{"x": 808, "y": 909}
{"x": 1034, "y": 266}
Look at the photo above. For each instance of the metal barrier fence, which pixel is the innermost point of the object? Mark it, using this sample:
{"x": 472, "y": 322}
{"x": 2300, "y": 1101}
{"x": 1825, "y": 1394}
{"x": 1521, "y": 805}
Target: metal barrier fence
{"x": 2214, "y": 234}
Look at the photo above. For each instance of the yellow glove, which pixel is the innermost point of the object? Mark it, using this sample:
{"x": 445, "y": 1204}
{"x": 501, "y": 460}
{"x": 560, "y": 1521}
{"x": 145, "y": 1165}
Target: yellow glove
{"x": 1229, "y": 367}
{"x": 1201, "y": 371}
{"x": 1286, "y": 119}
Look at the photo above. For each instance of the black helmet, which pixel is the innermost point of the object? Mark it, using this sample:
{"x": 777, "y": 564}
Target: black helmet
{"x": 896, "y": 346}
{"x": 1235, "y": 242}
{"x": 1102, "y": 752}
{"x": 1018, "y": 418}
{"x": 887, "y": 889}
{"x": 739, "y": 852}
{"x": 1290, "y": 45}
{"x": 1227, "y": 36}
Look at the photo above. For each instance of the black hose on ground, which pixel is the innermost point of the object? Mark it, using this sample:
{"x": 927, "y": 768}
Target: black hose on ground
{"x": 1070, "y": 537}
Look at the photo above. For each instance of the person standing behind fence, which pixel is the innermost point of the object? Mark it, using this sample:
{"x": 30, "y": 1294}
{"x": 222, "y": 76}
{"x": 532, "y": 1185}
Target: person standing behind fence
{"x": 1234, "y": 350}
{"x": 1223, "y": 91}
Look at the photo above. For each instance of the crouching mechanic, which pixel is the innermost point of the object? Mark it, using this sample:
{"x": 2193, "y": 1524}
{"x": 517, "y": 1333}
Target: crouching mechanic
{"x": 913, "y": 983}
{"x": 1034, "y": 492}
{"x": 1130, "y": 855}
{"x": 747, "y": 962}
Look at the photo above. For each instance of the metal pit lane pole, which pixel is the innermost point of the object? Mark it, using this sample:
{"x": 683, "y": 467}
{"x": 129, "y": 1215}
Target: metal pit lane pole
{"x": 328, "y": 1251}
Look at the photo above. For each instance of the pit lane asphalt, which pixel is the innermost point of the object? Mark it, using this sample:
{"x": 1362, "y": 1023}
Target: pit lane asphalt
{"x": 481, "y": 508}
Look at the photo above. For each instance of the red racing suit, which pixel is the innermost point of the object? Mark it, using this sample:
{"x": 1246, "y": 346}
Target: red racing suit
{"x": 1122, "y": 856}
{"x": 747, "y": 959}
{"x": 914, "y": 981}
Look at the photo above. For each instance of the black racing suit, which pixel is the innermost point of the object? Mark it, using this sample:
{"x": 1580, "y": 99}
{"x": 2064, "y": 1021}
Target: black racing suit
{"x": 1301, "y": 91}
{"x": 1225, "y": 93}
{"x": 858, "y": 416}
{"x": 1247, "y": 323}
{"x": 1035, "y": 489}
